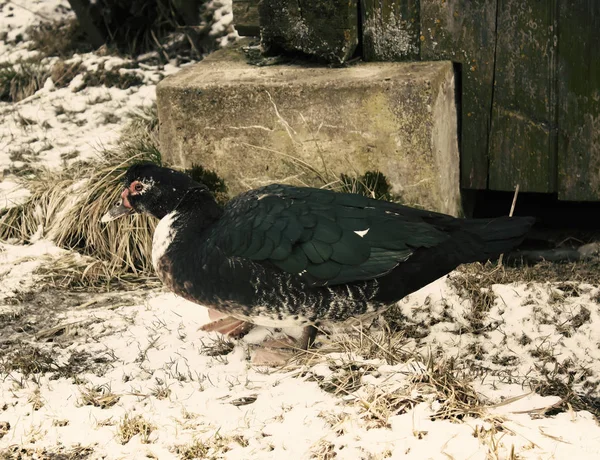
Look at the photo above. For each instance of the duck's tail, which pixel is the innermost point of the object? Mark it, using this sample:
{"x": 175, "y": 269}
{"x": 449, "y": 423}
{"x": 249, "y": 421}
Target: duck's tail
{"x": 498, "y": 235}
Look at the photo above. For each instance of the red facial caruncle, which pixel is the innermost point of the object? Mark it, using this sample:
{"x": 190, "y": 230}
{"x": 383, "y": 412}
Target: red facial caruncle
{"x": 135, "y": 188}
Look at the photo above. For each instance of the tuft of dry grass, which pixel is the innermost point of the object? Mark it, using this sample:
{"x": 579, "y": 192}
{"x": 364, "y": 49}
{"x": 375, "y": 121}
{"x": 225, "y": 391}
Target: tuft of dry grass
{"x": 58, "y": 38}
{"x": 63, "y": 72}
{"x": 21, "y": 80}
{"x": 28, "y": 360}
{"x": 112, "y": 78}
{"x": 347, "y": 377}
{"x": 35, "y": 399}
{"x": 219, "y": 346}
{"x": 130, "y": 426}
{"x": 99, "y": 396}
{"x": 451, "y": 388}
{"x": 561, "y": 379}
{"x": 66, "y": 207}
{"x": 370, "y": 343}
{"x": 209, "y": 449}
{"x": 490, "y": 273}
{"x": 477, "y": 289}
{"x": 324, "y": 450}
{"x": 4, "y": 428}
{"x": 161, "y": 390}
{"x": 355, "y": 355}
{"x": 40, "y": 453}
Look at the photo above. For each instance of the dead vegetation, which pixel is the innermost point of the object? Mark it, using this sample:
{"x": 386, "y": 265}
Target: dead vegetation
{"x": 32, "y": 359}
{"x": 485, "y": 275}
{"x": 561, "y": 379}
{"x": 18, "y": 452}
{"x": 478, "y": 291}
{"x": 61, "y": 38}
{"x": 132, "y": 425}
{"x": 63, "y": 72}
{"x": 208, "y": 449}
{"x": 359, "y": 353}
{"x": 219, "y": 346}
{"x": 28, "y": 360}
{"x": 117, "y": 77}
{"x": 99, "y": 396}
{"x": 66, "y": 207}
{"x": 22, "y": 79}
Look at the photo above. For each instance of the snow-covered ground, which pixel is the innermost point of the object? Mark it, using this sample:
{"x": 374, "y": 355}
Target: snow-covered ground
{"x": 130, "y": 375}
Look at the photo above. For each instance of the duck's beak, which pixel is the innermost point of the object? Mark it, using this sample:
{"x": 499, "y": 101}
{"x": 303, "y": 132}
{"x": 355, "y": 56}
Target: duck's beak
{"x": 121, "y": 208}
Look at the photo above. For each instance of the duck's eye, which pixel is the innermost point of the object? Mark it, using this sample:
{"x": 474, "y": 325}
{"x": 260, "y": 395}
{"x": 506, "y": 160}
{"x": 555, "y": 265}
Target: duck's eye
{"x": 138, "y": 187}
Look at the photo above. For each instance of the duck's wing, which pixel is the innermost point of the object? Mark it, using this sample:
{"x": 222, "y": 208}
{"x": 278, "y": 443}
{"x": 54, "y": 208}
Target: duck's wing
{"x": 326, "y": 238}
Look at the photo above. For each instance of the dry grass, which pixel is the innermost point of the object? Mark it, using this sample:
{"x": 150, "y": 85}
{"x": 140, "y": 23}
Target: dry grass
{"x": 485, "y": 275}
{"x": 112, "y": 78}
{"x": 19, "y": 452}
{"x": 161, "y": 390}
{"x": 324, "y": 450}
{"x": 219, "y": 346}
{"x": 28, "y": 360}
{"x": 35, "y": 399}
{"x": 451, "y": 388}
{"x": 209, "y": 449}
{"x": 58, "y": 38}
{"x": 66, "y": 208}
{"x": 354, "y": 356}
{"x": 478, "y": 290}
{"x": 371, "y": 343}
{"x": 31, "y": 361}
{"x": 21, "y": 80}
{"x": 129, "y": 426}
{"x": 4, "y": 427}
{"x": 99, "y": 396}
{"x": 63, "y": 72}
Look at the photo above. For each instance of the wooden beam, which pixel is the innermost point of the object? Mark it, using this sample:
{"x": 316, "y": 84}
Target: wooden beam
{"x": 390, "y": 30}
{"x": 523, "y": 147}
{"x": 464, "y": 31}
{"x": 579, "y": 100}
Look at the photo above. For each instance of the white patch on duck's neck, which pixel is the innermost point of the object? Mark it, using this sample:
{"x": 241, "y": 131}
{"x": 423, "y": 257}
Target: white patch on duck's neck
{"x": 164, "y": 234}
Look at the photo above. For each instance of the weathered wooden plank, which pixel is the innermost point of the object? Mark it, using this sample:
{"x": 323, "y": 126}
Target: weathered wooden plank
{"x": 390, "y": 30}
{"x": 522, "y": 148}
{"x": 246, "y": 18}
{"x": 579, "y": 100}
{"x": 464, "y": 31}
{"x": 523, "y": 152}
{"x": 327, "y": 29}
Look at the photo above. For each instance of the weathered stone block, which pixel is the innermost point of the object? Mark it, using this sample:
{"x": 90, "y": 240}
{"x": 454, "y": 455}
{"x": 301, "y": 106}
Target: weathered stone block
{"x": 245, "y": 17}
{"x": 307, "y": 125}
{"x": 327, "y": 29}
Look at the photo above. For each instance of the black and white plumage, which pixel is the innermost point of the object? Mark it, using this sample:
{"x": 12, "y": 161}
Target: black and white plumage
{"x": 294, "y": 256}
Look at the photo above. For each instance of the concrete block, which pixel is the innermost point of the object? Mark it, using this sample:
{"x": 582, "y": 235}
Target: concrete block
{"x": 305, "y": 125}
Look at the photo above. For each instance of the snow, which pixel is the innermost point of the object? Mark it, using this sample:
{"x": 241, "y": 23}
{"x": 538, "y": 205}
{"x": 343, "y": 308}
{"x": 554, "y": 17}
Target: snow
{"x": 144, "y": 352}
{"x": 12, "y": 194}
{"x": 152, "y": 341}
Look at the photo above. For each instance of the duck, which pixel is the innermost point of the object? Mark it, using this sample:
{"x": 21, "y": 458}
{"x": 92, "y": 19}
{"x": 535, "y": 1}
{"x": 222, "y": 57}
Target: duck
{"x": 283, "y": 256}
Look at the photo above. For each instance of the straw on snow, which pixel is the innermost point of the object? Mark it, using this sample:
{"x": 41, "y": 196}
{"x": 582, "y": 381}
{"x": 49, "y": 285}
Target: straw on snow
{"x": 66, "y": 208}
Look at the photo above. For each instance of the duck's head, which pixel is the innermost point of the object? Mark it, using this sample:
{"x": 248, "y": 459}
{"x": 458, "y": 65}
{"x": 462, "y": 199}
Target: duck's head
{"x": 151, "y": 189}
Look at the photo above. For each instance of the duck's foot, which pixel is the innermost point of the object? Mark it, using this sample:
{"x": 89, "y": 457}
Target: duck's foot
{"x": 278, "y": 351}
{"x": 226, "y": 325}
